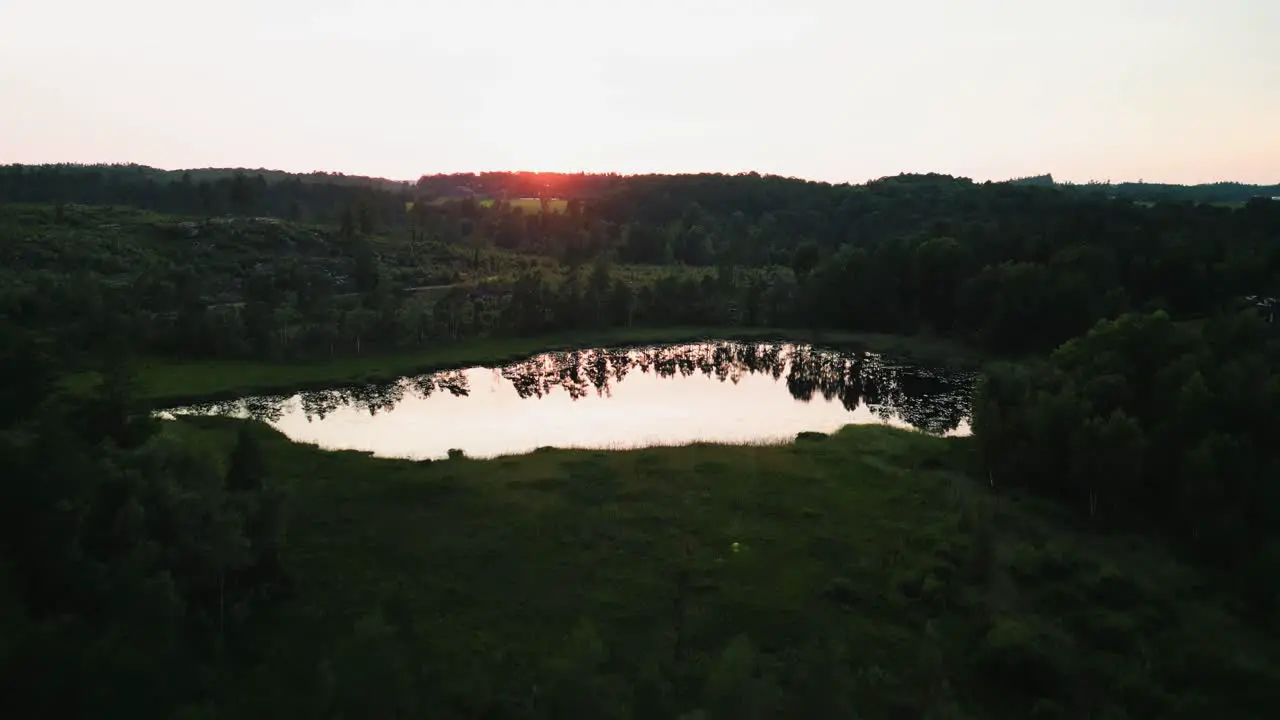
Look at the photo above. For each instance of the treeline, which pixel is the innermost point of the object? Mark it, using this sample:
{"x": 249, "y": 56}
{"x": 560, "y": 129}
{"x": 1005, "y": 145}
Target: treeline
{"x": 1220, "y": 192}
{"x": 1211, "y": 193}
{"x": 315, "y": 198}
{"x": 581, "y": 185}
{"x": 1150, "y": 424}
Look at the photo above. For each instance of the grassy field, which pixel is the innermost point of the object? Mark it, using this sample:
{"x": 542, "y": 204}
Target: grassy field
{"x": 510, "y": 266}
{"x": 862, "y": 571}
{"x": 642, "y": 275}
{"x": 177, "y": 382}
{"x": 530, "y": 204}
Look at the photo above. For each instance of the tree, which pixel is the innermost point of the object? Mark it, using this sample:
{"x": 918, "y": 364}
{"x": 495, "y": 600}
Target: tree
{"x": 365, "y": 217}
{"x": 206, "y": 194}
{"x": 241, "y": 194}
{"x": 1106, "y": 460}
{"x": 356, "y": 323}
{"x": 698, "y": 249}
{"x": 569, "y": 306}
{"x": 28, "y": 374}
{"x": 247, "y": 466}
{"x": 939, "y": 267}
{"x": 368, "y": 272}
{"x": 580, "y": 685}
{"x": 1146, "y": 421}
{"x": 598, "y": 287}
{"x": 805, "y": 258}
{"x": 347, "y": 223}
{"x": 735, "y": 690}
{"x": 260, "y": 327}
{"x": 115, "y": 411}
{"x": 622, "y": 303}
{"x": 261, "y": 506}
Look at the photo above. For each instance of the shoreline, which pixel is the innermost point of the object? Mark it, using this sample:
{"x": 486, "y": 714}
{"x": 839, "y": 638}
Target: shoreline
{"x": 170, "y": 383}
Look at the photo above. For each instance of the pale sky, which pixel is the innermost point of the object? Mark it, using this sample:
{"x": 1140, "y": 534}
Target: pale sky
{"x": 838, "y": 90}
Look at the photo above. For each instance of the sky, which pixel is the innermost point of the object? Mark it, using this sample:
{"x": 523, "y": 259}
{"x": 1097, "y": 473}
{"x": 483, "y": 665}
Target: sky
{"x": 837, "y": 90}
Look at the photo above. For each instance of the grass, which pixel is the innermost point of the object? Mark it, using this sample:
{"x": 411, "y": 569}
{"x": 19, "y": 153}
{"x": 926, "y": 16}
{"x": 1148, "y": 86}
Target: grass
{"x": 648, "y": 275}
{"x": 864, "y": 565}
{"x": 178, "y": 382}
{"x": 511, "y": 266}
{"x": 531, "y": 204}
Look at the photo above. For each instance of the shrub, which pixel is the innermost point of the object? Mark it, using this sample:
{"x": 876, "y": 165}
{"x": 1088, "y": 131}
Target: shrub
{"x": 1027, "y": 656}
{"x": 842, "y": 590}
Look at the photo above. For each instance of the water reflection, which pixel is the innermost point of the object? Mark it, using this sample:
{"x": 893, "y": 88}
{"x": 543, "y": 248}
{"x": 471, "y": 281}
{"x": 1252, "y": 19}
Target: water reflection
{"x": 728, "y": 392}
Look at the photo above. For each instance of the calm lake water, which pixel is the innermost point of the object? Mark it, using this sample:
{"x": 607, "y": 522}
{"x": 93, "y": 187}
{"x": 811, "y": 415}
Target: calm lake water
{"x": 617, "y": 398}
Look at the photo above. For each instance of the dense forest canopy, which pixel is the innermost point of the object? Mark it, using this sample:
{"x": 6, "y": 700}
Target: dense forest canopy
{"x": 237, "y": 265}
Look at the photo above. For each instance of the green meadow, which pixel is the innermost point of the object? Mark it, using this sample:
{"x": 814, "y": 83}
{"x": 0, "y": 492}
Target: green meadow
{"x": 863, "y": 574}
{"x": 531, "y": 204}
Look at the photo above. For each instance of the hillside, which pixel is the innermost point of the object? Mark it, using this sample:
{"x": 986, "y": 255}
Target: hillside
{"x": 127, "y": 247}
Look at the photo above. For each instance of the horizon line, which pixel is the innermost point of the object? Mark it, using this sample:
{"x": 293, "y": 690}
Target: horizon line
{"x": 384, "y": 178}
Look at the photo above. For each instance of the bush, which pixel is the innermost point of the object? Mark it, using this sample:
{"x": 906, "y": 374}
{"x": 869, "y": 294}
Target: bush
{"x": 1026, "y": 656}
{"x": 1110, "y": 631}
{"x": 1113, "y": 589}
{"x": 1049, "y": 710}
{"x": 842, "y": 590}
{"x": 1052, "y": 563}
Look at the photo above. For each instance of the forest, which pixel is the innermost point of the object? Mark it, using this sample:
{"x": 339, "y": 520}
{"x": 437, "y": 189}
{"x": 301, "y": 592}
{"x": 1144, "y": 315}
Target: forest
{"x": 1104, "y": 545}
{"x": 1006, "y": 268}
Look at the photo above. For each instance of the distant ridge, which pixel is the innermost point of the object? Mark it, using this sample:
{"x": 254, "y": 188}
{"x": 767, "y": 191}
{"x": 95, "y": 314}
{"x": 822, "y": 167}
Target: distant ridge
{"x": 1219, "y": 192}
{"x": 146, "y": 172}
{"x": 1045, "y": 180}
{"x": 1224, "y": 192}
{"x": 529, "y": 184}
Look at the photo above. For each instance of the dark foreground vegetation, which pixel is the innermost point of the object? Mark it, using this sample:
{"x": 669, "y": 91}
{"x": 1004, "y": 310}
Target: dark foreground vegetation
{"x": 873, "y": 573}
{"x": 1105, "y": 546}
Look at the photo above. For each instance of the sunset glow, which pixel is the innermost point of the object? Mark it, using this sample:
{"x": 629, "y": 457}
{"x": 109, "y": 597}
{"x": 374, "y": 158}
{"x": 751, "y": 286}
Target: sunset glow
{"x": 824, "y": 89}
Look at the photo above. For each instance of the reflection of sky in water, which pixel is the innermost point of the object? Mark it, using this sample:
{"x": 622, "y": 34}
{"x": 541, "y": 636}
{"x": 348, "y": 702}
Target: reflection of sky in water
{"x": 577, "y": 400}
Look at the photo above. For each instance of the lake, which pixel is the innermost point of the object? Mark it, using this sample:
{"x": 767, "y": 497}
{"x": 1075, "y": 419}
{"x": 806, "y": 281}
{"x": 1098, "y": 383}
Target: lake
{"x": 725, "y": 392}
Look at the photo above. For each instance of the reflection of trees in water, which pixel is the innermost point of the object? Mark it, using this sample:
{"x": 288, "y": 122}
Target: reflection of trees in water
{"x": 268, "y": 408}
{"x": 933, "y": 400}
{"x": 317, "y": 404}
{"x": 930, "y": 399}
{"x": 376, "y": 397}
